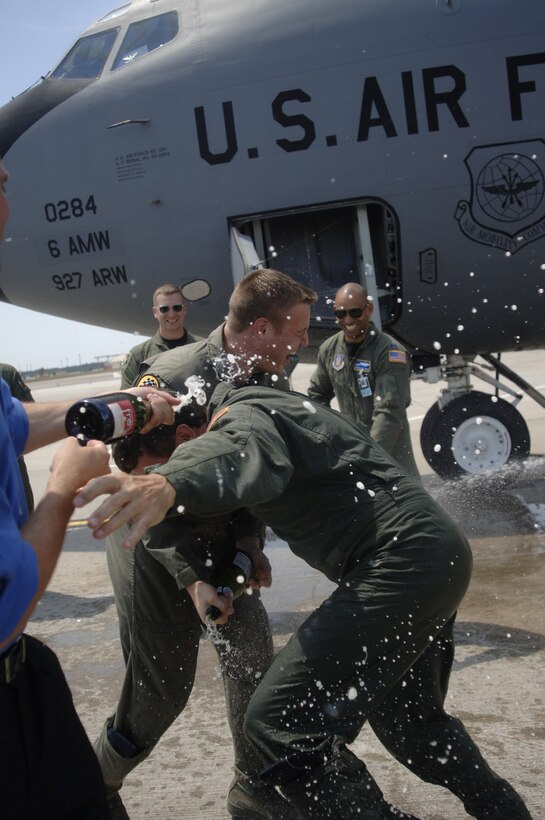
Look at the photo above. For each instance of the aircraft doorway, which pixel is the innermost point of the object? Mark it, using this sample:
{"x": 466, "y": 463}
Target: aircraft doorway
{"x": 324, "y": 248}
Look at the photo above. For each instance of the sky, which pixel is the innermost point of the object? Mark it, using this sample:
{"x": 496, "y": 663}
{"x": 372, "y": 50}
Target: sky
{"x": 36, "y": 35}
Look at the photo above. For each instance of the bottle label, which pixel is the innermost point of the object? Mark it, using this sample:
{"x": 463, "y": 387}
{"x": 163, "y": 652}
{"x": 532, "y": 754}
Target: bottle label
{"x": 244, "y": 563}
{"x": 124, "y": 416}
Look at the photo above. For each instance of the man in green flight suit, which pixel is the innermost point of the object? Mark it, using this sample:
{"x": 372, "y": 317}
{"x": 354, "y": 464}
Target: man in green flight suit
{"x": 268, "y": 319}
{"x": 153, "y": 588}
{"x": 170, "y": 310}
{"x": 380, "y": 648}
{"x": 369, "y": 373}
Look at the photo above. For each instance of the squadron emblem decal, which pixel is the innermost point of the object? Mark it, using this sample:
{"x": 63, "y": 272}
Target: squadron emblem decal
{"x": 507, "y": 205}
{"x": 149, "y": 381}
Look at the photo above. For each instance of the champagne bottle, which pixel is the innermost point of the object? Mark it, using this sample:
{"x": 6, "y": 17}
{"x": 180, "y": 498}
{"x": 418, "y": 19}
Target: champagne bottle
{"x": 107, "y": 418}
{"x": 230, "y": 580}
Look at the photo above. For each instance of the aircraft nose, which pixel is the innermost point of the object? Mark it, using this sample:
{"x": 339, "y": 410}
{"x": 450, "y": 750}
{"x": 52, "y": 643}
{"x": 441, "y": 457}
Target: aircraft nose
{"x": 21, "y": 113}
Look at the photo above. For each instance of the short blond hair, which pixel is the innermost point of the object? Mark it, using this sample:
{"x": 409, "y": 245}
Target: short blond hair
{"x": 265, "y": 293}
{"x": 167, "y": 290}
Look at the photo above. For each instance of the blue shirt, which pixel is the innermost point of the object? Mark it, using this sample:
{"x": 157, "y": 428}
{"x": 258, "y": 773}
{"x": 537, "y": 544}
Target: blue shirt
{"x": 18, "y": 563}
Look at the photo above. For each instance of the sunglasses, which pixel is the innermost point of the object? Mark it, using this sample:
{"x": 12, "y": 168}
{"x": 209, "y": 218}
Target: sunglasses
{"x": 166, "y": 308}
{"x": 355, "y": 313}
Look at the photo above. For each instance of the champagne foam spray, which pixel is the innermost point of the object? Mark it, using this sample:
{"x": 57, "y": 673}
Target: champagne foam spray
{"x": 195, "y": 390}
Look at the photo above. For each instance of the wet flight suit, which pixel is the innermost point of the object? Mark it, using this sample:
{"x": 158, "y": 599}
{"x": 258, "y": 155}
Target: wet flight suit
{"x": 156, "y": 630}
{"x": 372, "y": 386}
{"x": 380, "y": 648}
{"x": 146, "y": 350}
{"x": 160, "y": 632}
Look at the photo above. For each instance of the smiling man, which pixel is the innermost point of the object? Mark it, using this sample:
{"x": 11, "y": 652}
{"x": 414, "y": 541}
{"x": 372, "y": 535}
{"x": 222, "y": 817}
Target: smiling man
{"x": 269, "y": 315}
{"x": 170, "y": 310}
{"x": 369, "y": 373}
{"x": 268, "y": 319}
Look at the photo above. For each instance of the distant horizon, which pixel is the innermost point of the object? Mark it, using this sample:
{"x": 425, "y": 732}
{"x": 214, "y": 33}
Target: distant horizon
{"x": 58, "y": 372}
{"x": 33, "y": 341}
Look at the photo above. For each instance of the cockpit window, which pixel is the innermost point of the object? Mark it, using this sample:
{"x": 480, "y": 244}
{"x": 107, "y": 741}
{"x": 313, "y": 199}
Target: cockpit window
{"x": 86, "y": 59}
{"x": 146, "y": 36}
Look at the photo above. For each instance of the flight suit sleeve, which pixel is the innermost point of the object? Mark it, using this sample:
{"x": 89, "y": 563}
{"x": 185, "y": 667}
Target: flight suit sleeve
{"x": 188, "y": 551}
{"x": 241, "y": 462}
{"x": 244, "y": 524}
{"x": 320, "y": 387}
{"x": 391, "y": 396}
{"x": 129, "y": 370}
{"x": 180, "y": 550}
{"x": 20, "y": 390}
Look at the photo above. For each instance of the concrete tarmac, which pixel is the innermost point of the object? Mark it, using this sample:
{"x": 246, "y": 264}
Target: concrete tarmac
{"x": 496, "y": 686}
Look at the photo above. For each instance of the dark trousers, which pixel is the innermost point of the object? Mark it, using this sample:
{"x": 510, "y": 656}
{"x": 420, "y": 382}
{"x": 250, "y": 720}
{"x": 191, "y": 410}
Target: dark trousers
{"x": 48, "y": 769}
{"x": 160, "y": 632}
{"x": 379, "y": 649}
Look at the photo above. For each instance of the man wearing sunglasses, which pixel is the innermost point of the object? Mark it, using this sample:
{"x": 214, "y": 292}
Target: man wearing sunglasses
{"x": 170, "y": 310}
{"x": 369, "y": 373}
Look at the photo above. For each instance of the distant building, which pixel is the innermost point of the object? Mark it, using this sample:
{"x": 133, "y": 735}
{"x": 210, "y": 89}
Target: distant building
{"x": 112, "y": 362}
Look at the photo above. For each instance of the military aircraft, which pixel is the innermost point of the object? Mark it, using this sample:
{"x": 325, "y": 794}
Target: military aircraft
{"x": 395, "y": 143}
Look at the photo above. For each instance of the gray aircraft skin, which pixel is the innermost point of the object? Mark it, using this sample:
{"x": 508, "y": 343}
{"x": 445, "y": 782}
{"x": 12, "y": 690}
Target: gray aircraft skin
{"x": 395, "y": 143}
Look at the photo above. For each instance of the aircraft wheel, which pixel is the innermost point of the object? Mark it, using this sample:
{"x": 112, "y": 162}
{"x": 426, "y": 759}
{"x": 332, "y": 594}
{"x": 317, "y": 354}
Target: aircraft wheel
{"x": 476, "y": 433}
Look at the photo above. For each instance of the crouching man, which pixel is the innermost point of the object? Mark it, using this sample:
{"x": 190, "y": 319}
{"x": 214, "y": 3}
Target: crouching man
{"x": 380, "y": 648}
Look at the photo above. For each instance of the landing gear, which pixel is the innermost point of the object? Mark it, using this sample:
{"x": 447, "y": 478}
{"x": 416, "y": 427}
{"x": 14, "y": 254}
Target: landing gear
{"x": 474, "y": 433}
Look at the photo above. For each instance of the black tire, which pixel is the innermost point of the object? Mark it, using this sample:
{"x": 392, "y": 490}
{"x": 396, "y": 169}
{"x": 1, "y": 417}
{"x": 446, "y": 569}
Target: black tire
{"x": 473, "y": 434}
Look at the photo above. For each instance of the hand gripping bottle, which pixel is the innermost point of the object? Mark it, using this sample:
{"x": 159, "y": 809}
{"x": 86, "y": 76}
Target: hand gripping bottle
{"x": 231, "y": 580}
{"x": 107, "y": 418}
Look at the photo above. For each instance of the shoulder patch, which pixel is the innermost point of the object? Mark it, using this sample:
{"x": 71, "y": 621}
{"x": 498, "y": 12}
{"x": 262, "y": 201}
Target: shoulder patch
{"x": 397, "y": 356}
{"x": 217, "y": 416}
{"x": 149, "y": 380}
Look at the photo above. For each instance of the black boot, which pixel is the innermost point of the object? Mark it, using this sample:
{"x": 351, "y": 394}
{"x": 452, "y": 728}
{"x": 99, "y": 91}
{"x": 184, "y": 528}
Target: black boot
{"x": 339, "y": 798}
{"x": 500, "y": 803}
{"x": 339, "y": 788}
{"x": 453, "y": 760}
{"x": 251, "y": 800}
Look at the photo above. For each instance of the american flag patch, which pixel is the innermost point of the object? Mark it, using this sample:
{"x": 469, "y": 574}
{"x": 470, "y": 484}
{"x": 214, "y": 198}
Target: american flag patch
{"x": 398, "y": 356}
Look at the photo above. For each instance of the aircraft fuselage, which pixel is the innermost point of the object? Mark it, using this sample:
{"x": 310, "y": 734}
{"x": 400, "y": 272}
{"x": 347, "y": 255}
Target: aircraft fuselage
{"x": 397, "y": 141}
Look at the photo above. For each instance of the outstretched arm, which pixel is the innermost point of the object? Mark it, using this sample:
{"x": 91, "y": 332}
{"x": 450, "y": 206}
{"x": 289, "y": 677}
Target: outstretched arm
{"x": 142, "y": 500}
{"x": 232, "y": 466}
{"x": 47, "y": 419}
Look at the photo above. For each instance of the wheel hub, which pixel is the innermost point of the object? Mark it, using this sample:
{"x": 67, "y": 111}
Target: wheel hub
{"x": 481, "y": 444}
